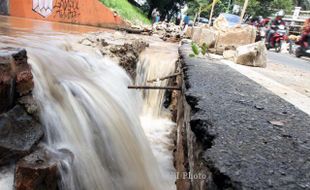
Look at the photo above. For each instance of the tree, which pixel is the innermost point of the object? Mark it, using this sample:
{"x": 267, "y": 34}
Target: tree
{"x": 165, "y": 7}
{"x": 266, "y": 7}
{"x": 304, "y": 4}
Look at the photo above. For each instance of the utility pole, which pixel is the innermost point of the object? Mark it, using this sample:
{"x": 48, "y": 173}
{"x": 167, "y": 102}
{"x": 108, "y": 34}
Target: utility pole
{"x": 246, "y": 2}
{"x": 212, "y": 9}
{"x": 229, "y": 5}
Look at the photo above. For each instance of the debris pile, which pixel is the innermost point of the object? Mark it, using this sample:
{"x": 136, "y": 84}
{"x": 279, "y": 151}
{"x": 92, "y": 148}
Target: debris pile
{"x": 165, "y": 31}
{"x": 235, "y": 43}
{"x": 168, "y": 32}
{"x": 126, "y": 54}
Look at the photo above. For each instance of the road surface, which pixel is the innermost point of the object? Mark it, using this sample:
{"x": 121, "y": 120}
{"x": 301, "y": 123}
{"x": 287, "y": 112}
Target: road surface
{"x": 285, "y": 76}
{"x": 289, "y": 60}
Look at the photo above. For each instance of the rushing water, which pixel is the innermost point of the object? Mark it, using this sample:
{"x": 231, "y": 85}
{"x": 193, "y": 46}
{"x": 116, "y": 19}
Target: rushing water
{"x": 156, "y": 120}
{"x": 86, "y": 108}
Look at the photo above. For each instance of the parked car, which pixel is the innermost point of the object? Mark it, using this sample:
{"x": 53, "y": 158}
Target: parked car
{"x": 232, "y": 19}
{"x": 203, "y": 20}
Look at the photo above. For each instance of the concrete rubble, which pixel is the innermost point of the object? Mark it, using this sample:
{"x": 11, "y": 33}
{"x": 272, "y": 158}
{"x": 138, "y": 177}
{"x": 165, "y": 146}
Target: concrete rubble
{"x": 40, "y": 170}
{"x": 252, "y": 55}
{"x": 19, "y": 134}
{"x": 234, "y": 43}
{"x": 126, "y": 54}
{"x": 15, "y": 77}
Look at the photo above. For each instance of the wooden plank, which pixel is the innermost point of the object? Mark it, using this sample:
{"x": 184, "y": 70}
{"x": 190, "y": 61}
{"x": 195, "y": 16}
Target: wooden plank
{"x": 164, "y": 78}
{"x": 156, "y": 87}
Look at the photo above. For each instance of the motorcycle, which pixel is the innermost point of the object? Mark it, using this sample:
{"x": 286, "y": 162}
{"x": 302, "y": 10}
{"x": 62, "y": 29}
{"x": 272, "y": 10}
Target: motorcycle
{"x": 304, "y": 48}
{"x": 278, "y": 38}
{"x": 261, "y": 30}
{"x": 302, "y": 51}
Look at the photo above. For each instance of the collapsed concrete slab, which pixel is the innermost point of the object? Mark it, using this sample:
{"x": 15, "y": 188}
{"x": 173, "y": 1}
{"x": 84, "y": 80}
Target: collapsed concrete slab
{"x": 239, "y": 134}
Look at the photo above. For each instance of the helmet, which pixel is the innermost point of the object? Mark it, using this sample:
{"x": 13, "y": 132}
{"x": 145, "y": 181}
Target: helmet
{"x": 280, "y": 13}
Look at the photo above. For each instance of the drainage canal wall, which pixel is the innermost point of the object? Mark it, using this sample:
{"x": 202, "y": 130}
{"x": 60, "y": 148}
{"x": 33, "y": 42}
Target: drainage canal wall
{"x": 86, "y": 12}
{"x": 235, "y": 134}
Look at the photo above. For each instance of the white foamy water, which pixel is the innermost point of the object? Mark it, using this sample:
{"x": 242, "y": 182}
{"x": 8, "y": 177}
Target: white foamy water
{"x": 155, "y": 119}
{"x": 6, "y": 178}
{"x": 86, "y": 108}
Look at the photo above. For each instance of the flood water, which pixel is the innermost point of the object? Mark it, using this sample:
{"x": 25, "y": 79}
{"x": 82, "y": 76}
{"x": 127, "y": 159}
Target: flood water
{"x": 120, "y": 138}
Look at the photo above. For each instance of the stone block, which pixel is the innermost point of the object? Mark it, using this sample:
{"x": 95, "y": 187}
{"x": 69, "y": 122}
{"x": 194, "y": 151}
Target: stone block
{"x": 252, "y": 55}
{"x": 19, "y": 134}
{"x": 15, "y": 76}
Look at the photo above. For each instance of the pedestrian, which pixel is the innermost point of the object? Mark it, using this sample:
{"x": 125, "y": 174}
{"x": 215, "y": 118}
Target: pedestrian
{"x": 154, "y": 15}
{"x": 186, "y": 21}
{"x": 157, "y": 16}
{"x": 178, "y": 20}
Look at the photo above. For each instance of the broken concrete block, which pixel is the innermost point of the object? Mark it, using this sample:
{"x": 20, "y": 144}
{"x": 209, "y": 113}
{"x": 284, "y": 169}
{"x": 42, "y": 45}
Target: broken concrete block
{"x": 252, "y": 55}
{"x": 15, "y": 76}
{"x": 208, "y": 36}
{"x": 229, "y": 54}
{"x": 188, "y": 32}
{"x": 196, "y": 32}
{"x": 40, "y": 170}
{"x": 19, "y": 134}
{"x": 235, "y": 37}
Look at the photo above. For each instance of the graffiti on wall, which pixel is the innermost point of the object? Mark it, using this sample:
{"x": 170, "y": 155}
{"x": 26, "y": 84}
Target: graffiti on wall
{"x": 43, "y": 7}
{"x": 67, "y": 9}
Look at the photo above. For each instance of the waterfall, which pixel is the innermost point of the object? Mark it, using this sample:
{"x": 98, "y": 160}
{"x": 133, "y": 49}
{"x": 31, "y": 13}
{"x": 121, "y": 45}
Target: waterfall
{"x": 86, "y": 108}
{"x": 157, "y": 62}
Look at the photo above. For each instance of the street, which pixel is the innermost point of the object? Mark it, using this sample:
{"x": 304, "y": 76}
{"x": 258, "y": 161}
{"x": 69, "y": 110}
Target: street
{"x": 285, "y": 76}
{"x": 289, "y": 60}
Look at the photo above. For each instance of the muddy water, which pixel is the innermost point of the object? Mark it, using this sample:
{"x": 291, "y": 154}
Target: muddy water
{"x": 87, "y": 108}
{"x": 157, "y": 62}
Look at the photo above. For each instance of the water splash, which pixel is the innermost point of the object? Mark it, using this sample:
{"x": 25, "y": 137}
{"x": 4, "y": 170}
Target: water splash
{"x": 155, "y": 63}
{"x": 87, "y": 109}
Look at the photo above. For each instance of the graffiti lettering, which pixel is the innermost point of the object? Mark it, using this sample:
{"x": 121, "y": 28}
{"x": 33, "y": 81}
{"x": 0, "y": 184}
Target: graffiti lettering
{"x": 67, "y": 9}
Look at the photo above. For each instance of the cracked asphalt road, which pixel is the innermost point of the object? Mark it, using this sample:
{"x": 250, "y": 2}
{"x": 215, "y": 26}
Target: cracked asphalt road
{"x": 254, "y": 139}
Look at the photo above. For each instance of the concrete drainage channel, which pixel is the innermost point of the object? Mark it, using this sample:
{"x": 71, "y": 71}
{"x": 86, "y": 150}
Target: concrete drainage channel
{"x": 234, "y": 134}
{"x": 231, "y": 133}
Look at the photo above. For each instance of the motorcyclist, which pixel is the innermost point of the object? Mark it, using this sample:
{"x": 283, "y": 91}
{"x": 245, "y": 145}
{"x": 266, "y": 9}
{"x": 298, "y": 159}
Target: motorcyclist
{"x": 274, "y": 25}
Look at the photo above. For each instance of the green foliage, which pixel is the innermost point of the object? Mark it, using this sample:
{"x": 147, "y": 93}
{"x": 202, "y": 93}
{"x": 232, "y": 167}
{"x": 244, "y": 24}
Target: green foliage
{"x": 304, "y": 4}
{"x": 266, "y": 7}
{"x": 165, "y": 7}
{"x": 204, "y": 49}
{"x": 195, "y": 48}
{"x": 127, "y": 11}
